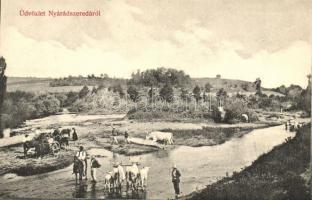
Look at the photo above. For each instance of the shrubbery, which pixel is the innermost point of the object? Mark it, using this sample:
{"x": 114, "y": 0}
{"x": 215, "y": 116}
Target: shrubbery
{"x": 20, "y": 106}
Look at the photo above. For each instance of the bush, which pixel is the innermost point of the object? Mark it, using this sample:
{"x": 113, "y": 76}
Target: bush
{"x": 166, "y": 93}
{"x": 133, "y": 93}
{"x": 83, "y": 92}
{"x": 216, "y": 114}
{"x": 234, "y": 109}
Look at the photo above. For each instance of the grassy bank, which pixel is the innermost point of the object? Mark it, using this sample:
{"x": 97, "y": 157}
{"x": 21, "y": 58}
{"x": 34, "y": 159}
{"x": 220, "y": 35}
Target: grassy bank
{"x": 13, "y": 163}
{"x": 280, "y": 174}
{"x": 213, "y": 135}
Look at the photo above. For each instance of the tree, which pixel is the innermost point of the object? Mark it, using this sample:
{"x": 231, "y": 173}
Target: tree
{"x": 133, "y": 93}
{"x": 94, "y": 90}
{"x": 83, "y": 92}
{"x": 257, "y": 83}
{"x": 197, "y": 93}
{"x": 208, "y": 87}
{"x": 3, "y": 80}
{"x": 184, "y": 94}
{"x": 46, "y": 105}
{"x": 71, "y": 98}
{"x": 166, "y": 93}
{"x": 245, "y": 86}
{"x": 118, "y": 89}
{"x": 221, "y": 95}
{"x": 305, "y": 97}
{"x": 159, "y": 77}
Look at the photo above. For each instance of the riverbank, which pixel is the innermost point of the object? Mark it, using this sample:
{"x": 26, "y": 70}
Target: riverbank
{"x": 96, "y": 131}
{"x": 282, "y": 173}
{"x": 214, "y": 134}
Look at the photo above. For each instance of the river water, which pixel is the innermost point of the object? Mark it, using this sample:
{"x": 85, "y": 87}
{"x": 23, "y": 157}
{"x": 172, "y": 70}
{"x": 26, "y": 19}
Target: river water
{"x": 199, "y": 166}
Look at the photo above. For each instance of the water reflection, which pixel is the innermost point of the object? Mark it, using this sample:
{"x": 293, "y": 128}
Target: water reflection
{"x": 80, "y": 190}
{"x": 96, "y": 191}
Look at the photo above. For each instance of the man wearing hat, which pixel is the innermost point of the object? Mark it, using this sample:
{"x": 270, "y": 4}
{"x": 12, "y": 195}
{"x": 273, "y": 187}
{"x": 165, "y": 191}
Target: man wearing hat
{"x": 176, "y": 180}
{"x": 82, "y": 156}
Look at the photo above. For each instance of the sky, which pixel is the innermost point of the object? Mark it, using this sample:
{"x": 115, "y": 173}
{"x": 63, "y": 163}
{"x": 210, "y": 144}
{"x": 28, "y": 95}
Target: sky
{"x": 242, "y": 39}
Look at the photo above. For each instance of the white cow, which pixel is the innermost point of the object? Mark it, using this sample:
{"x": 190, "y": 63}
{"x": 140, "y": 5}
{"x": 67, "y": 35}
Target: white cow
{"x": 108, "y": 180}
{"x": 132, "y": 176}
{"x": 160, "y": 136}
{"x": 118, "y": 175}
{"x": 143, "y": 176}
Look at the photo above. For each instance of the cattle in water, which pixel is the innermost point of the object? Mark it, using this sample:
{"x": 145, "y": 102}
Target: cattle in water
{"x": 143, "y": 177}
{"x": 108, "y": 181}
{"x": 132, "y": 176}
{"x": 118, "y": 176}
{"x": 157, "y": 136}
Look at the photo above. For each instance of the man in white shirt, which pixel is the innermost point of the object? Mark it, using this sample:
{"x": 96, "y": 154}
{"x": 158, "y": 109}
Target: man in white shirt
{"x": 82, "y": 156}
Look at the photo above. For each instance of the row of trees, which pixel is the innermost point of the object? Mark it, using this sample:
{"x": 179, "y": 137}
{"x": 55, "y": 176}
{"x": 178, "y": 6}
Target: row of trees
{"x": 91, "y": 80}
{"x": 159, "y": 77}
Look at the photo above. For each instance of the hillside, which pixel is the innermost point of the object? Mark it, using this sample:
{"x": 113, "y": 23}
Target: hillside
{"x": 37, "y": 85}
{"x": 32, "y": 84}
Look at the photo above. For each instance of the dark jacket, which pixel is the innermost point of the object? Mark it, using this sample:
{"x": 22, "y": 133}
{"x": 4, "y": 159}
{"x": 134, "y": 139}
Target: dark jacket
{"x": 175, "y": 175}
{"x": 95, "y": 163}
{"x": 75, "y": 136}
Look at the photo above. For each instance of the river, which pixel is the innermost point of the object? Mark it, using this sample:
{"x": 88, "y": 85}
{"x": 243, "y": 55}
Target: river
{"x": 199, "y": 166}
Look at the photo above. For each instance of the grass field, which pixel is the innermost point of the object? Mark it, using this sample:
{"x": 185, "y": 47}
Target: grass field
{"x": 37, "y": 85}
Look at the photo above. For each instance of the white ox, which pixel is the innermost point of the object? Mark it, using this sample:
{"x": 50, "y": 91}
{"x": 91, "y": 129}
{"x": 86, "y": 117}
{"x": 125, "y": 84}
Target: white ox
{"x": 166, "y": 137}
{"x": 108, "y": 181}
{"x": 143, "y": 176}
{"x": 118, "y": 175}
{"x": 132, "y": 176}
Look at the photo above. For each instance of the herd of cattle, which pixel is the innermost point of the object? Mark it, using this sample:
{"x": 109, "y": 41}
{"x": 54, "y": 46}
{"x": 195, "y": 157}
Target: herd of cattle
{"x": 47, "y": 141}
{"x": 131, "y": 175}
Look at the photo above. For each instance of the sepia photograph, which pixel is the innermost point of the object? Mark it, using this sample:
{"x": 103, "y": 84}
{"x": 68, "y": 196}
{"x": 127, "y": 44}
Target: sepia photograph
{"x": 155, "y": 99}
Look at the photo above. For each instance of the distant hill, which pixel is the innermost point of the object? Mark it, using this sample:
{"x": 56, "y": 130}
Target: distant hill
{"x": 37, "y": 85}
{"x": 32, "y": 84}
{"x": 230, "y": 85}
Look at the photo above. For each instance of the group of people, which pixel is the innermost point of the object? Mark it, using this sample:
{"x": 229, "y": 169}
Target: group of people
{"x": 115, "y": 133}
{"x": 81, "y": 155}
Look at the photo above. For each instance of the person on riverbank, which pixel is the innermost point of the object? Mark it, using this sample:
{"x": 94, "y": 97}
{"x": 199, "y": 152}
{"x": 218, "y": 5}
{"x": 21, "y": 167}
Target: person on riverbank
{"x": 126, "y": 136}
{"x": 75, "y": 136}
{"x": 82, "y": 155}
{"x": 176, "y": 174}
{"x": 94, "y": 163}
{"x": 114, "y": 132}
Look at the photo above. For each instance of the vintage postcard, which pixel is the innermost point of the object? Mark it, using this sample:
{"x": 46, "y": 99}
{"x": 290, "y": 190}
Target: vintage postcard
{"x": 155, "y": 99}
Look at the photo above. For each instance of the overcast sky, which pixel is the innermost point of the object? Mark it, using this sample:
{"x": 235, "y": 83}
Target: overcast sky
{"x": 241, "y": 39}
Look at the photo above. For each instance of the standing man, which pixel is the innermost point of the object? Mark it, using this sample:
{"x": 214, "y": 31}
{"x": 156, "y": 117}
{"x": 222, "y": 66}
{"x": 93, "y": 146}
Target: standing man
{"x": 94, "y": 163}
{"x": 82, "y": 156}
{"x": 126, "y": 136}
{"x": 114, "y": 132}
{"x": 75, "y": 136}
{"x": 176, "y": 180}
